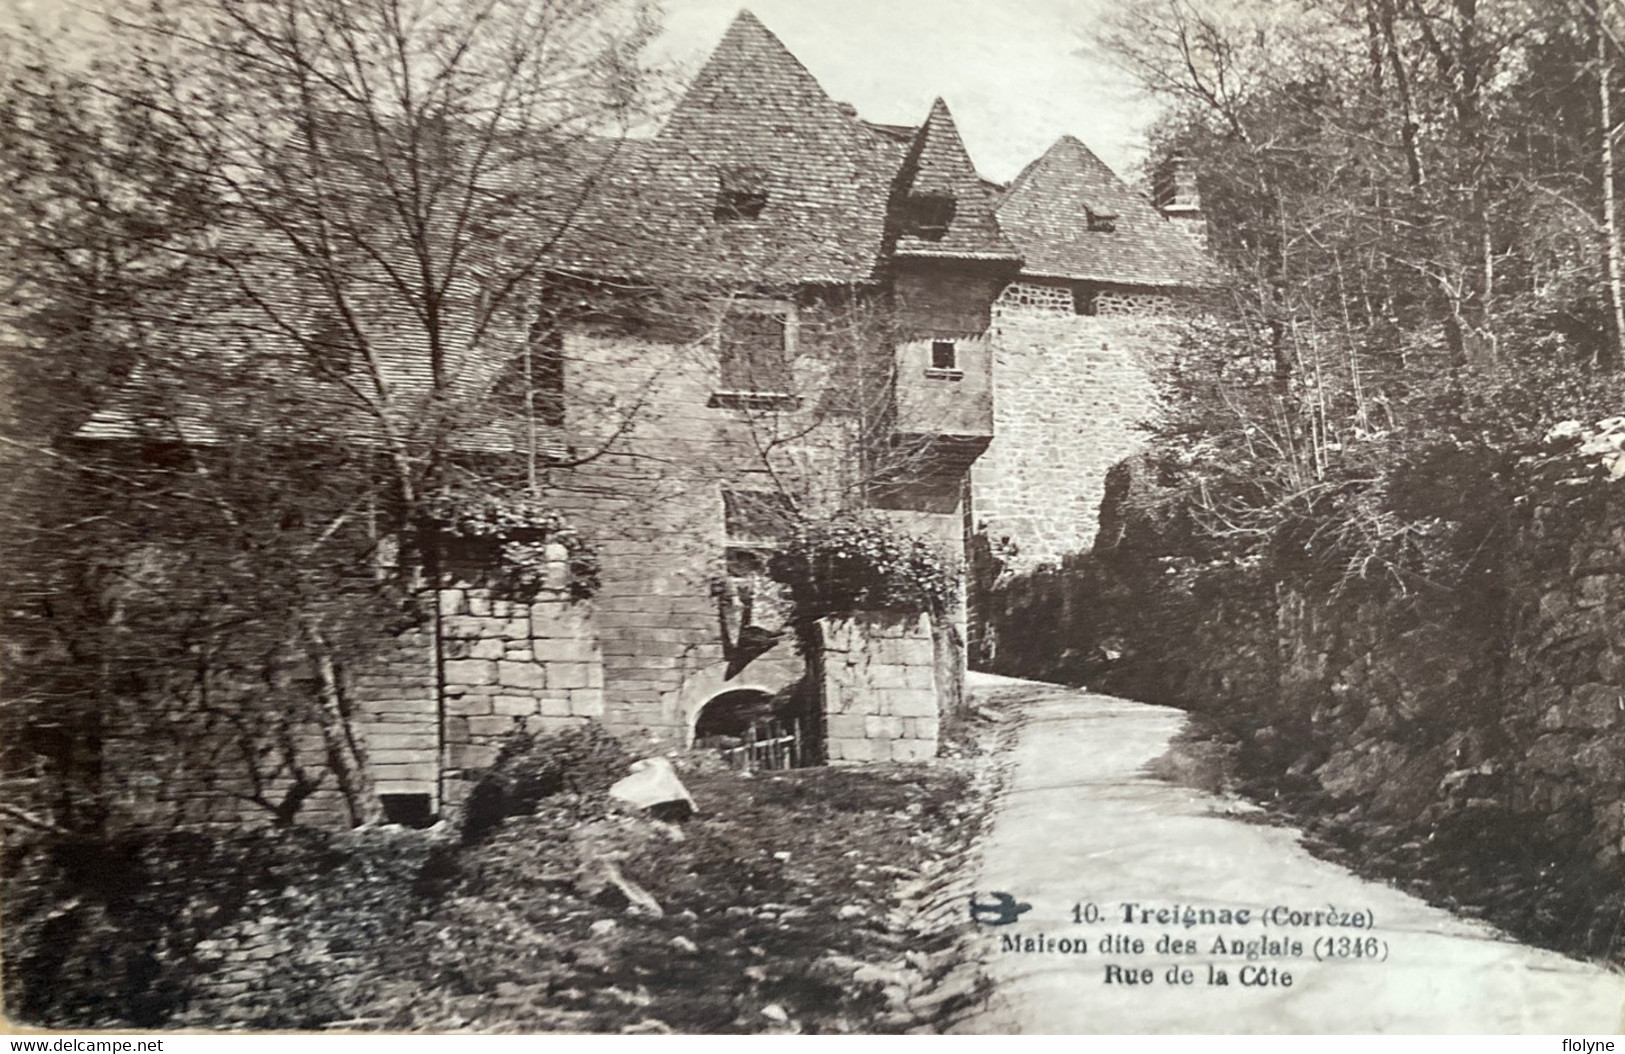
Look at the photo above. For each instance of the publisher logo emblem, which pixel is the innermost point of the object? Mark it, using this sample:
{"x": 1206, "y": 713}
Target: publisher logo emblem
{"x": 1000, "y": 909}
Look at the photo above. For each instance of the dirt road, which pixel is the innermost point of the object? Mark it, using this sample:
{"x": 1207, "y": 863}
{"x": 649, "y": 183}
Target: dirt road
{"x": 1081, "y": 824}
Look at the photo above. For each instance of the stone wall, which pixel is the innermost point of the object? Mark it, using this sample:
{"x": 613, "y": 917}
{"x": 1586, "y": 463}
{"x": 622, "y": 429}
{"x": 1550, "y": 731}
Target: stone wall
{"x": 399, "y": 704}
{"x": 653, "y": 505}
{"x": 880, "y": 689}
{"x": 226, "y": 762}
{"x": 650, "y": 451}
{"x": 1565, "y": 669}
{"x": 500, "y": 666}
{"x": 1068, "y": 393}
{"x": 508, "y": 666}
{"x": 653, "y": 501}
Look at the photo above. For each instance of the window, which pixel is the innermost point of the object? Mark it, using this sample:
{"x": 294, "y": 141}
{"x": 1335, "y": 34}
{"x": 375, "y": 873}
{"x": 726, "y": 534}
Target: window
{"x": 1102, "y": 222}
{"x": 944, "y": 362}
{"x": 408, "y": 810}
{"x": 331, "y": 348}
{"x": 753, "y": 606}
{"x": 927, "y": 216}
{"x": 533, "y": 384}
{"x": 755, "y": 347}
{"x": 741, "y": 193}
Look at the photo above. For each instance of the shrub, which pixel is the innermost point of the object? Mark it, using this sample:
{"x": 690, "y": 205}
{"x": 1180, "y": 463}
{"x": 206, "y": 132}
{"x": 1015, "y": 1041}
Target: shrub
{"x": 850, "y": 563}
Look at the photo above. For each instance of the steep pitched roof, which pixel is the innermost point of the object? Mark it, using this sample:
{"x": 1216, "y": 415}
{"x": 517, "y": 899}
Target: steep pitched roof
{"x": 1046, "y": 214}
{"x": 938, "y": 165}
{"x": 753, "y": 107}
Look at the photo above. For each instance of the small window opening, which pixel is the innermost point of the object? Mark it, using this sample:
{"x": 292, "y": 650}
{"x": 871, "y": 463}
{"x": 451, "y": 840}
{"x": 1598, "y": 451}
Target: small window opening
{"x": 944, "y": 355}
{"x": 927, "y": 216}
{"x": 740, "y": 562}
{"x": 331, "y": 349}
{"x": 408, "y": 810}
{"x": 1084, "y": 301}
{"x": 741, "y": 193}
{"x": 1102, "y": 223}
{"x": 755, "y": 352}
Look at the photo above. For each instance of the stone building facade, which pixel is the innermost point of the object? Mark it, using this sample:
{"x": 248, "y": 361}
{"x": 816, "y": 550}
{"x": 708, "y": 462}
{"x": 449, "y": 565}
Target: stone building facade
{"x": 1103, "y": 275}
{"x": 809, "y": 312}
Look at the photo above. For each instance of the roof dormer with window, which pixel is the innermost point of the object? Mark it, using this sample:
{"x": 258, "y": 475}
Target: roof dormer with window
{"x": 741, "y": 193}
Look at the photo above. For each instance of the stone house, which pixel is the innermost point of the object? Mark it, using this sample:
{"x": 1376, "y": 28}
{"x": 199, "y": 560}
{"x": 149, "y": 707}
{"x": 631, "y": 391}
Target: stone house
{"x": 811, "y": 312}
{"x": 1103, "y": 271}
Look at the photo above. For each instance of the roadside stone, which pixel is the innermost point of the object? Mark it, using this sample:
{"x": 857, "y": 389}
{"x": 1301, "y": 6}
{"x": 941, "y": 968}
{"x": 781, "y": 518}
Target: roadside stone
{"x": 649, "y": 1026}
{"x": 654, "y": 786}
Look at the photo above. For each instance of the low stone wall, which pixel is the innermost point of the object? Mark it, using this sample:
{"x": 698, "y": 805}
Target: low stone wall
{"x": 1565, "y": 671}
{"x": 509, "y": 665}
{"x": 880, "y": 689}
{"x": 431, "y": 707}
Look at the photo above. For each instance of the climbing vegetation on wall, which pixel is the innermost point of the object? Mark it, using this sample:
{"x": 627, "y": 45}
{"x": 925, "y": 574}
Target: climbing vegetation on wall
{"x": 851, "y": 563}
{"x": 511, "y": 543}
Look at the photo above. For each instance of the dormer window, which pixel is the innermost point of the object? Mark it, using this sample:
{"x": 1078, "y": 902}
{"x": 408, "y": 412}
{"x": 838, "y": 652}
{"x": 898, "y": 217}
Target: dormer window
{"x": 741, "y": 193}
{"x": 1103, "y": 223}
{"x": 927, "y": 216}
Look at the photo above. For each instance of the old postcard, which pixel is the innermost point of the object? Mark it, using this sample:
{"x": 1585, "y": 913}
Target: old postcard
{"x": 580, "y": 516}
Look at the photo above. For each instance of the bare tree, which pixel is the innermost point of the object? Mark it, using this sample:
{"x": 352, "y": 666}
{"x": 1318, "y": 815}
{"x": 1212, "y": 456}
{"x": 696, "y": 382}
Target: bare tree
{"x": 293, "y": 251}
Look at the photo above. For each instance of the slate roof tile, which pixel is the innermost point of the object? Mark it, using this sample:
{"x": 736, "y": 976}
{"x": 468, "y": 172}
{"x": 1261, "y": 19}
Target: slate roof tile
{"x": 827, "y": 178}
{"x": 1045, "y": 213}
{"x": 937, "y": 165}
{"x": 647, "y": 209}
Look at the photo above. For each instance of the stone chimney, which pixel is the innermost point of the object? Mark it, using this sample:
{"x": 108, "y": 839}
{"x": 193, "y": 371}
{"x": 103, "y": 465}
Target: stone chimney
{"x": 1177, "y": 197}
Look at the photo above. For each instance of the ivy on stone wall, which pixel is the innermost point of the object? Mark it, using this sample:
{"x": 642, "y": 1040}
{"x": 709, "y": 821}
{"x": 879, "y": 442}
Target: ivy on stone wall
{"x": 512, "y": 544}
{"x": 851, "y": 563}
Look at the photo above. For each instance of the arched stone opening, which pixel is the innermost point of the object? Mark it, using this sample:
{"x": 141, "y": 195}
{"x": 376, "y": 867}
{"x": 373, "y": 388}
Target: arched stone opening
{"x": 731, "y": 714}
{"x": 750, "y": 729}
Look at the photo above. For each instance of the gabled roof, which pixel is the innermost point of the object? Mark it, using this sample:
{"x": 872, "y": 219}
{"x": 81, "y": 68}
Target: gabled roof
{"x": 1046, "y": 211}
{"x": 938, "y": 165}
{"x": 753, "y": 105}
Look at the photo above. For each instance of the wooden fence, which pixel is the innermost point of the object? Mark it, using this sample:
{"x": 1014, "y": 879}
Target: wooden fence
{"x": 769, "y": 745}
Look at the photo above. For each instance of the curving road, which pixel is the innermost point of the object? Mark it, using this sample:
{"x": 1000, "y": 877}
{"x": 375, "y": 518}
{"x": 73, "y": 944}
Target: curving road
{"x": 1080, "y": 823}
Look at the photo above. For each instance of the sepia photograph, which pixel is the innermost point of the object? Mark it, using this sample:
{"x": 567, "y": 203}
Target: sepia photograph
{"x": 609, "y": 517}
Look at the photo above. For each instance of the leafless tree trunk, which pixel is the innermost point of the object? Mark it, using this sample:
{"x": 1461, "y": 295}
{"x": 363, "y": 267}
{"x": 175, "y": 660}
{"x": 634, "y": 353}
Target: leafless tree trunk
{"x": 1610, "y": 214}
